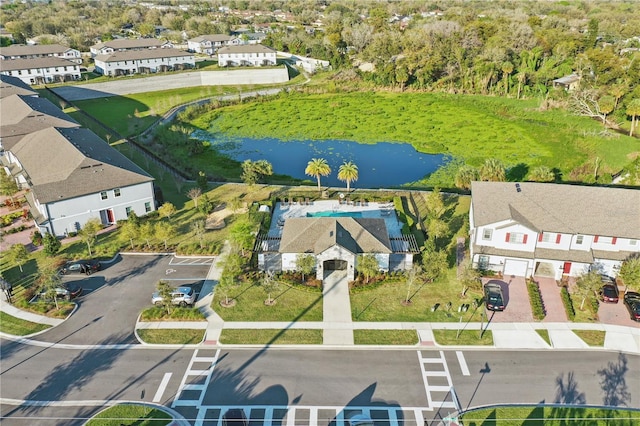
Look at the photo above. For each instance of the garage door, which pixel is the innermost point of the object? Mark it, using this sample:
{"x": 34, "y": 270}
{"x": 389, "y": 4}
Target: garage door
{"x": 515, "y": 267}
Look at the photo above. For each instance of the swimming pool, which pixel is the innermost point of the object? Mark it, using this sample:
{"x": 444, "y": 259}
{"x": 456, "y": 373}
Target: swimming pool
{"x": 335, "y": 214}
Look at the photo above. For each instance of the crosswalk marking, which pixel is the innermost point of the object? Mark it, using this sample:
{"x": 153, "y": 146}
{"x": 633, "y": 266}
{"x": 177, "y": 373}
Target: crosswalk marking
{"x": 463, "y": 364}
{"x": 201, "y": 387}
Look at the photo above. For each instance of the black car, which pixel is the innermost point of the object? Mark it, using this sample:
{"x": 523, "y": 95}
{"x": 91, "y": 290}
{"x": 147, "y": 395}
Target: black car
{"x": 609, "y": 293}
{"x": 80, "y": 267}
{"x": 65, "y": 291}
{"x": 632, "y": 302}
{"x": 493, "y": 297}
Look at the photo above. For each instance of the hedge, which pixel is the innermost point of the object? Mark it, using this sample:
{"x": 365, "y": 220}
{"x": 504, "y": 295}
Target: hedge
{"x": 535, "y": 298}
{"x": 568, "y": 304}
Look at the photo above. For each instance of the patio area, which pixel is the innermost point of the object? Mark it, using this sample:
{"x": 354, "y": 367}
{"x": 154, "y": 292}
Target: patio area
{"x": 332, "y": 208}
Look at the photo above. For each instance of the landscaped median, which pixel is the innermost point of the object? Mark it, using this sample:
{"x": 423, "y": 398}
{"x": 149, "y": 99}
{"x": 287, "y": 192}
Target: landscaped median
{"x": 184, "y": 326}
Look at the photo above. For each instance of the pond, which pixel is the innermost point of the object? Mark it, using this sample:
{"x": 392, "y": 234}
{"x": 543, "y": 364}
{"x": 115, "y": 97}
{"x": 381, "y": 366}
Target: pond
{"x": 380, "y": 165}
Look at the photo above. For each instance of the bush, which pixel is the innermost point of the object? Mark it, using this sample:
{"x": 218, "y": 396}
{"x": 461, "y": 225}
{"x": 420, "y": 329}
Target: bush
{"x": 535, "y": 298}
{"x": 568, "y": 304}
{"x": 177, "y": 314}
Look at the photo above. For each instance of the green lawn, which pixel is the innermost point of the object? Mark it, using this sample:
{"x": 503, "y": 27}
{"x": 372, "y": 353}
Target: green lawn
{"x": 591, "y": 337}
{"x": 19, "y": 327}
{"x": 131, "y": 415}
{"x": 166, "y": 336}
{"x": 385, "y": 337}
{"x": 463, "y": 338}
{"x": 272, "y": 337}
{"x": 550, "y": 416}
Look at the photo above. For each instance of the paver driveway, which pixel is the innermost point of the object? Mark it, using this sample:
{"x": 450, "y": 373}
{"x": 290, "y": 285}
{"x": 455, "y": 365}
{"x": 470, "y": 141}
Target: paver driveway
{"x": 517, "y": 306}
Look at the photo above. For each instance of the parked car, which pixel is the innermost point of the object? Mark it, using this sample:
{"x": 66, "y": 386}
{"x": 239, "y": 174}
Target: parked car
{"x": 609, "y": 292}
{"x": 65, "y": 291}
{"x": 182, "y": 296}
{"x": 80, "y": 267}
{"x": 632, "y": 302}
{"x": 493, "y": 297}
{"x": 234, "y": 416}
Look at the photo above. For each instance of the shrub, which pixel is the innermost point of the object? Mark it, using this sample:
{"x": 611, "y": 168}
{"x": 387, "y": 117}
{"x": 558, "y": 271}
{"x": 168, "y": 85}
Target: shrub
{"x": 36, "y": 238}
{"x": 568, "y": 304}
{"x": 535, "y": 298}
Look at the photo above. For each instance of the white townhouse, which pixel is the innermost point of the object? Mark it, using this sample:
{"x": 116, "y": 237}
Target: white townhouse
{"x": 22, "y": 51}
{"x": 75, "y": 176}
{"x": 253, "y": 55}
{"x": 41, "y": 70}
{"x": 208, "y": 44}
{"x": 543, "y": 229}
{"x": 143, "y": 61}
{"x": 123, "y": 44}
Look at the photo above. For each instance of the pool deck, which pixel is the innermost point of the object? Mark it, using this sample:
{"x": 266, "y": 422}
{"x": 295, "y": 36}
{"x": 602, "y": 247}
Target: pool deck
{"x": 384, "y": 211}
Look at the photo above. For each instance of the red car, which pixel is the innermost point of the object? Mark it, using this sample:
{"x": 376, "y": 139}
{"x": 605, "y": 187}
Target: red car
{"x": 609, "y": 293}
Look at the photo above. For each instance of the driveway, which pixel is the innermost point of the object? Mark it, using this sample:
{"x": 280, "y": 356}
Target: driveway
{"x": 552, "y": 300}
{"x": 114, "y": 297}
{"x": 517, "y": 306}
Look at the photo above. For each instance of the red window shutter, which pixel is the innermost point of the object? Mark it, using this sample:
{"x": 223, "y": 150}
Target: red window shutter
{"x": 524, "y": 239}
{"x": 540, "y": 236}
{"x": 507, "y": 237}
{"x": 558, "y": 238}
{"x": 613, "y": 240}
{"x": 595, "y": 240}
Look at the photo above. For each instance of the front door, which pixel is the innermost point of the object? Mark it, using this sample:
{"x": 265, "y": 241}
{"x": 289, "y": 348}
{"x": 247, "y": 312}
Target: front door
{"x": 566, "y": 268}
{"x": 335, "y": 265}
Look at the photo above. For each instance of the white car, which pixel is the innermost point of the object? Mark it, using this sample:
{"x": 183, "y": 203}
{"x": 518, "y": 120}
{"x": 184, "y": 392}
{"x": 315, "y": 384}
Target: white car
{"x": 182, "y": 296}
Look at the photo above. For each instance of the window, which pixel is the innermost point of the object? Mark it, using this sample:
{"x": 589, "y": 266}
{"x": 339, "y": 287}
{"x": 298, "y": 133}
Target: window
{"x": 486, "y": 234}
{"x": 103, "y": 195}
{"x": 483, "y": 261}
{"x": 516, "y": 238}
{"x": 116, "y": 192}
{"x": 546, "y": 237}
{"x": 128, "y": 211}
{"x": 633, "y": 242}
{"x": 579, "y": 240}
{"x": 147, "y": 207}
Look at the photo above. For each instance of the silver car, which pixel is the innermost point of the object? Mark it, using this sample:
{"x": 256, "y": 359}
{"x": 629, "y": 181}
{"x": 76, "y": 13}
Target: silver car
{"x": 183, "y": 296}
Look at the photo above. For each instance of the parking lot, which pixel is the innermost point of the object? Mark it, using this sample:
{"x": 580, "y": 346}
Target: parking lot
{"x": 114, "y": 297}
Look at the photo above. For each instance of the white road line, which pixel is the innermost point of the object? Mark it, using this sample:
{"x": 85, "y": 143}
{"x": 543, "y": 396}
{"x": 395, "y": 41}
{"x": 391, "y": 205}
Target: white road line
{"x": 162, "y": 387}
{"x": 424, "y": 379}
{"x": 463, "y": 364}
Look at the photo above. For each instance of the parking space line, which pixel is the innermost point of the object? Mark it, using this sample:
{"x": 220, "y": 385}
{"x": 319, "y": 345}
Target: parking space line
{"x": 163, "y": 386}
{"x": 463, "y": 364}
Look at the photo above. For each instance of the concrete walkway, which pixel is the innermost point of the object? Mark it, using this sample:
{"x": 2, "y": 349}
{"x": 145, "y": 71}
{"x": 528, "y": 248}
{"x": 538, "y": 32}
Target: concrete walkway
{"x": 336, "y": 310}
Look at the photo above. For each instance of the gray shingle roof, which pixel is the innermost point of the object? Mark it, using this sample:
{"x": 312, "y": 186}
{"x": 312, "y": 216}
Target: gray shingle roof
{"x": 130, "y": 43}
{"x": 246, "y": 48}
{"x": 315, "y": 235}
{"x": 22, "y": 115}
{"x": 212, "y": 38}
{"x": 35, "y": 63}
{"x": 36, "y": 49}
{"x": 132, "y": 55}
{"x": 14, "y": 86}
{"x": 547, "y": 207}
{"x": 68, "y": 163}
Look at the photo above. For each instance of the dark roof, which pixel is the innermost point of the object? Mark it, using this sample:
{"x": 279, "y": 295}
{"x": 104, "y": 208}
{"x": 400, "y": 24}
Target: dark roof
{"x": 67, "y": 163}
{"x": 315, "y": 235}
{"x": 36, "y": 49}
{"x": 35, "y": 63}
{"x": 22, "y": 115}
{"x": 130, "y": 43}
{"x": 132, "y": 55}
{"x": 10, "y": 85}
{"x": 548, "y": 207}
{"x": 246, "y": 48}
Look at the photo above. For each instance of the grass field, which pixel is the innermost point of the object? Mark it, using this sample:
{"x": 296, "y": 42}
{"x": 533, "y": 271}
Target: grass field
{"x": 271, "y": 337}
{"x": 385, "y": 337}
{"x": 183, "y": 336}
{"x": 550, "y": 416}
{"x": 19, "y": 327}
{"x": 591, "y": 337}
{"x": 130, "y": 415}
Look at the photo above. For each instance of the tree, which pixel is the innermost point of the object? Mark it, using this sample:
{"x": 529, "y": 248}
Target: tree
{"x": 129, "y": 231}
{"x": 199, "y": 230}
{"x": 507, "y": 69}
{"x": 542, "y": 174}
{"x": 493, "y": 170}
{"x": 164, "y": 231}
{"x": 147, "y": 232}
{"x": 317, "y": 167}
{"x": 49, "y": 280}
{"x": 587, "y": 286}
{"x": 254, "y": 171}
{"x": 305, "y": 264}
{"x": 19, "y": 255}
{"x": 89, "y": 232}
{"x": 368, "y": 266}
{"x": 51, "y": 244}
{"x": 348, "y": 172}
{"x": 168, "y": 209}
{"x": 8, "y": 185}
{"x": 465, "y": 175}
{"x": 633, "y": 109}
{"x": 202, "y": 181}
{"x": 469, "y": 278}
{"x": 165, "y": 292}
{"x": 434, "y": 262}
{"x": 630, "y": 273}
{"x": 606, "y": 105}
{"x": 414, "y": 277}
{"x": 241, "y": 234}
{"x": 194, "y": 194}
{"x": 269, "y": 285}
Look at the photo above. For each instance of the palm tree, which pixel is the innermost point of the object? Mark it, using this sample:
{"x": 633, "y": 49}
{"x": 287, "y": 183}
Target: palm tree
{"x": 633, "y": 109}
{"x": 493, "y": 171}
{"x": 348, "y": 172}
{"x": 465, "y": 175}
{"x": 542, "y": 174}
{"x": 507, "y": 69}
{"x": 318, "y": 167}
{"x": 606, "y": 105}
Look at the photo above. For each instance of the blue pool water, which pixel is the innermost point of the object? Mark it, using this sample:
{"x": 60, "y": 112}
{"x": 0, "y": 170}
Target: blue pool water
{"x": 335, "y": 214}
